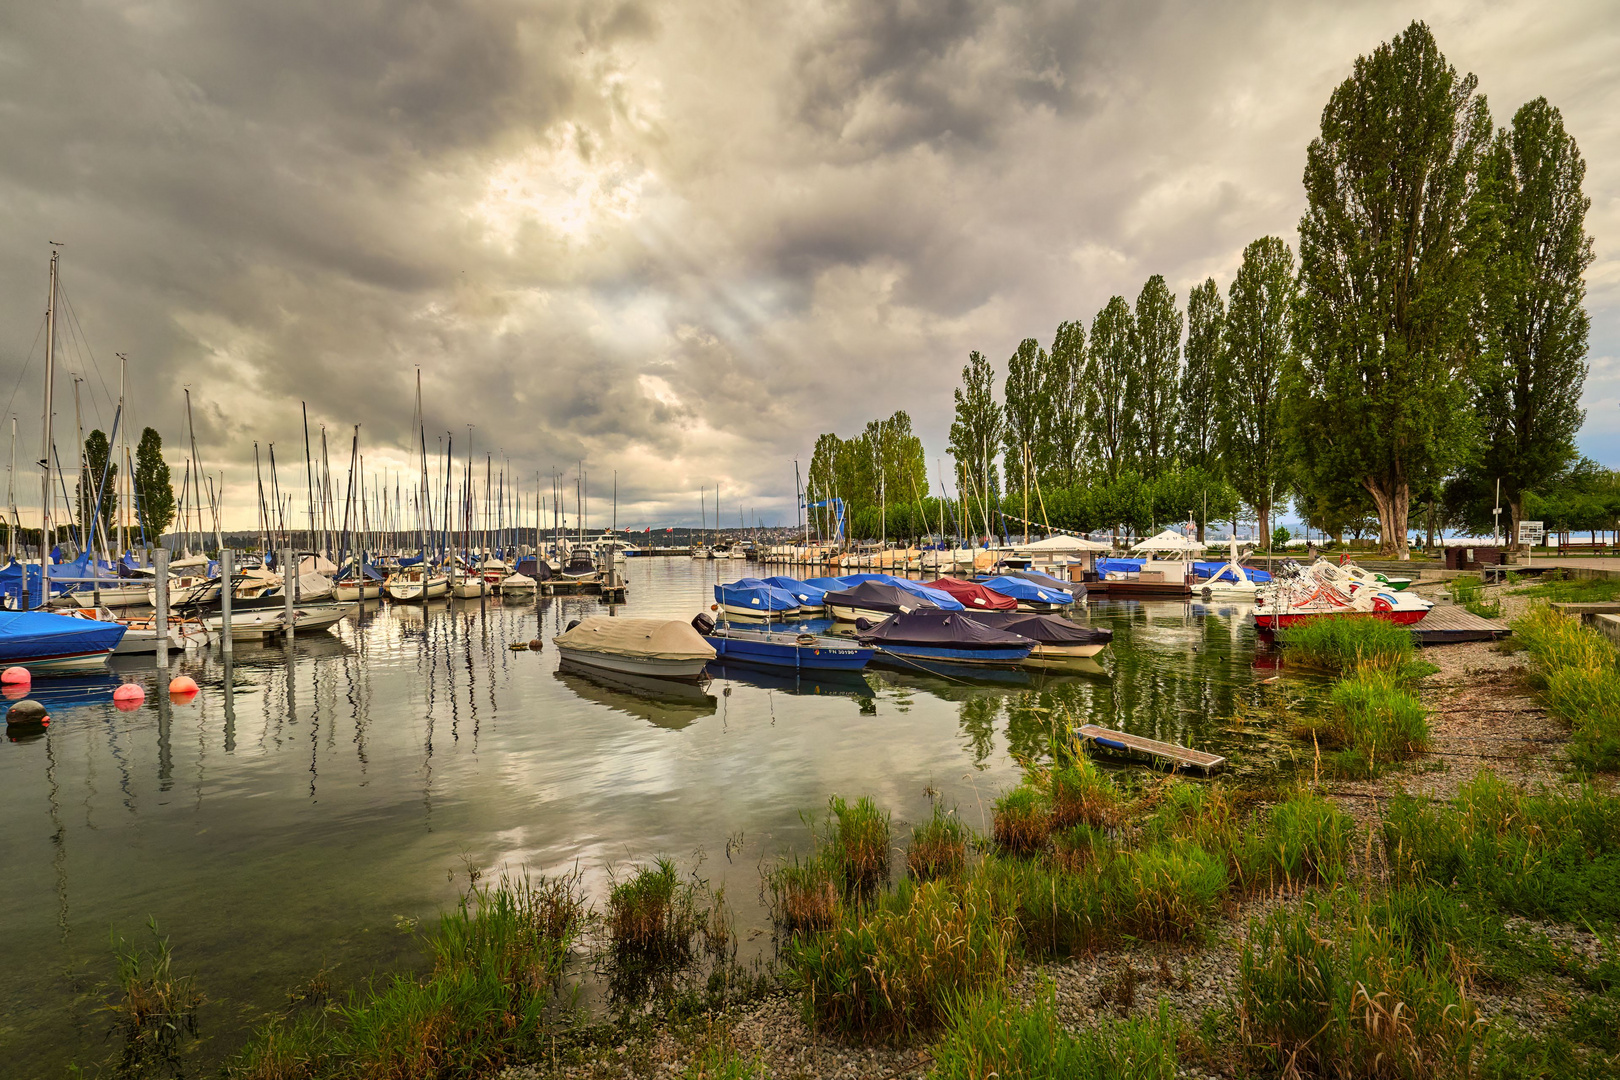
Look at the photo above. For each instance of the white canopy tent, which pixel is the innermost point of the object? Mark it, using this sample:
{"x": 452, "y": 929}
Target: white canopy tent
{"x": 1060, "y": 545}
{"x": 1168, "y": 542}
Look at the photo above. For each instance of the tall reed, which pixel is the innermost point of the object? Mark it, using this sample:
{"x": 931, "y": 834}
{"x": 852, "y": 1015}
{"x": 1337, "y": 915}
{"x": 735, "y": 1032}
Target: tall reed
{"x": 993, "y": 1035}
{"x": 1348, "y": 643}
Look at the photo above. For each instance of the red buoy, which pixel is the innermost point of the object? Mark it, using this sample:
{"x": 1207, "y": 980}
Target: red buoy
{"x": 16, "y": 676}
{"x": 182, "y": 686}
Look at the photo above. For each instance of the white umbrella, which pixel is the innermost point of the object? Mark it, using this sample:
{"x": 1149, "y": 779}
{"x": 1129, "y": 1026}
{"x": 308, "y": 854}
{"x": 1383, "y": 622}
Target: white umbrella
{"x": 1169, "y": 541}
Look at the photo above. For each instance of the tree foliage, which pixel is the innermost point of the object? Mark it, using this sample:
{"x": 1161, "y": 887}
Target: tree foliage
{"x": 96, "y": 452}
{"x": 1206, "y": 333}
{"x": 1106, "y": 409}
{"x": 1026, "y": 398}
{"x": 1392, "y": 252}
{"x": 976, "y": 430}
{"x": 1534, "y": 318}
{"x": 154, "y": 492}
{"x": 1152, "y": 381}
{"x": 1065, "y": 437}
{"x": 1259, "y": 349}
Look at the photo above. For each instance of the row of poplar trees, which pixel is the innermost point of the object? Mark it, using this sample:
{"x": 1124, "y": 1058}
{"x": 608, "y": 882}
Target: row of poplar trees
{"x": 1432, "y": 325}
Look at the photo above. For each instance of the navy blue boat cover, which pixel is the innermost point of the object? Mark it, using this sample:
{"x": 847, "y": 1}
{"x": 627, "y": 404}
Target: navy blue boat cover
{"x": 1046, "y": 629}
{"x": 877, "y": 596}
{"x": 948, "y": 629}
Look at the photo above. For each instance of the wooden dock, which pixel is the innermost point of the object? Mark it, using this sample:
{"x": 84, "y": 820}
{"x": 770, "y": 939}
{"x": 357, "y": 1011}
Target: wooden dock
{"x": 1120, "y": 742}
{"x": 612, "y": 594}
{"x": 1447, "y": 624}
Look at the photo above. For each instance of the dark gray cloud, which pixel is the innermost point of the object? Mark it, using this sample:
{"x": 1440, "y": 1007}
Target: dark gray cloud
{"x": 675, "y": 240}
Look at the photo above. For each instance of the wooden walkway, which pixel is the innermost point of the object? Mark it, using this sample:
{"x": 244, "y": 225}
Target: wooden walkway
{"x": 1447, "y": 624}
{"x": 1180, "y": 757}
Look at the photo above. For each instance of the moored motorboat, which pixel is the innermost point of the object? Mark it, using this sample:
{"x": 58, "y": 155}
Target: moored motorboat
{"x": 1030, "y": 597}
{"x": 413, "y": 583}
{"x": 812, "y": 598}
{"x": 666, "y": 648}
{"x": 518, "y": 585}
{"x": 751, "y": 598}
{"x": 951, "y": 636}
{"x": 1057, "y": 640}
{"x": 974, "y": 596}
{"x": 781, "y": 648}
{"x": 873, "y": 600}
{"x": 42, "y": 641}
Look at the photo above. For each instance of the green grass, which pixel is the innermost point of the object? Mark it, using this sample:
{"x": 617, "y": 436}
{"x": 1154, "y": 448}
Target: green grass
{"x": 1541, "y": 855}
{"x": 1021, "y": 820}
{"x": 1348, "y": 643}
{"x": 860, "y": 843}
{"x": 938, "y": 847}
{"x": 497, "y": 960}
{"x": 1302, "y": 841}
{"x": 891, "y": 971}
{"x": 805, "y": 894}
{"x": 154, "y": 1016}
{"x": 1341, "y": 986}
{"x": 1082, "y": 793}
{"x": 993, "y": 1035}
{"x": 1371, "y": 720}
{"x": 1554, "y": 586}
{"x": 1470, "y": 593}
{"x": 652, "y": 917}
{"x": 1580, "y": 683}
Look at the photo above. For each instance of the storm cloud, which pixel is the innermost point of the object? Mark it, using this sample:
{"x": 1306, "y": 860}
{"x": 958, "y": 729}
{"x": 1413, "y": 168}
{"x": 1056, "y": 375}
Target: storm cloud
{"x": 673, "y": 241}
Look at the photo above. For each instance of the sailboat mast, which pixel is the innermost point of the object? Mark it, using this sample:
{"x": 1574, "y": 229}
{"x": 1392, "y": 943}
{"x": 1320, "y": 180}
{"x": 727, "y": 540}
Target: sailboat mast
{"x": 123, "y": 452}
{"x": 11, "y": 496}
{"x": 45, "y": 447}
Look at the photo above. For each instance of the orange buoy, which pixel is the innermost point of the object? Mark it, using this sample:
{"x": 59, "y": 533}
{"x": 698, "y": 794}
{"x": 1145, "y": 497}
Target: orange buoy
{"x": 535, "y": 645}
{"x": 183, "y": 684}
{"x": 129, "y": 693}
{"x": 16, "y": 676}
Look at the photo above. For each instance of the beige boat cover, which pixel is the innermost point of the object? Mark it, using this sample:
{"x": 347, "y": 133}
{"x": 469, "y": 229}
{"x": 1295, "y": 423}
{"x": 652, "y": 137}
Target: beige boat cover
{"x": 650, "y": 639}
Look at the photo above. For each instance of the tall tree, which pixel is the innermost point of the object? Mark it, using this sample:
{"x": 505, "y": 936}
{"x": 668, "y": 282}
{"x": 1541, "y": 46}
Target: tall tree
{"x": 1025, "y": 397}
{"x": 154, "y": 493}
{"x": 1152, "y": 384}
{"x": 96, "y": 452}
{"x": 1248, "y": 376}
{"x": 1066, "y": 392}
{"x": 976, "y": 431}
{"x": 1107, "y": 409}
{"x": 899, "y": 468}
{"x": 1206, "y": 330}
{"x": 1535, "y": 321}
{"x": 1392, "y": 252}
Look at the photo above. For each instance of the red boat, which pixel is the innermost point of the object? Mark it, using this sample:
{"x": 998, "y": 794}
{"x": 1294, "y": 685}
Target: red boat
{"x": 972, "y": 595}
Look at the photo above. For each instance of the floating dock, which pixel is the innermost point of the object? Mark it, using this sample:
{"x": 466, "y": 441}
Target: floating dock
{"x": 612, "y": 594}
{"x": 1120, "y": 742}
{"x": 1448, "y": 624}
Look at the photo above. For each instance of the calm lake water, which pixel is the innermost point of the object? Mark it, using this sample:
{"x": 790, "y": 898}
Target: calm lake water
{"x": 300, "y": 815}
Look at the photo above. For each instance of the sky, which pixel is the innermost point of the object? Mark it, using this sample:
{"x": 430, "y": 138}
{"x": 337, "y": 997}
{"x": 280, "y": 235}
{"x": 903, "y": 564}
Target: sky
{"x": 672, "y": 241}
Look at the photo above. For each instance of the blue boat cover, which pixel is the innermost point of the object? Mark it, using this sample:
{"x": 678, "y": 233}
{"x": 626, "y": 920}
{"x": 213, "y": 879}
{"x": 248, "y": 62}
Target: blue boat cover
{"x": 13, "y": 576}
{"x": 1027, "y": 591}
{"x": 827, "y": 584}
{"x": 1119, "y": 566}
{"x": 808, "y": 595}
{"x": 938, "y": 597}
{"x": 1218, "y": 571}
{"x": 40, "y": 635}
{"x": 755, "y": 595}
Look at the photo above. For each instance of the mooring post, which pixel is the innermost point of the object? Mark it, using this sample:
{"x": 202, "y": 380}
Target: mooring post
{"x": 289, "y": 586}
{"x": 160, "y": 593}
{"x": 226, "y": 585}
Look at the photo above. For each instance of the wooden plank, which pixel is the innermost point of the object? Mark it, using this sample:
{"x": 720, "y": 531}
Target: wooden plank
{"x": 1588, "y": 609}
{"x": 1183, "y": 757}
{"x": 1452, "y": 623}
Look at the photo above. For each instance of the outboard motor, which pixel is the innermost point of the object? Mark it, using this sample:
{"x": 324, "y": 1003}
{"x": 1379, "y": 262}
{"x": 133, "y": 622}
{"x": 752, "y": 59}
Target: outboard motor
{"x": 702, "y": 623}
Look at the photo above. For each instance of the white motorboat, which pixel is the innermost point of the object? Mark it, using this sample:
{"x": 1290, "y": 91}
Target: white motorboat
{"x": 141, "y": 636}
{"x": 467, "y": 586}
{"x": 665, "y": 648}
{"x": 350, "y": 590}
{"x": 113, "y": 594}
{"x": 518, "y": 584}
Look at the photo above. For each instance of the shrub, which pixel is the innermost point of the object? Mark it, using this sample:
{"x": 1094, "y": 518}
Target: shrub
{"x": 993, "y": 1035}
{"x": 1082, "y": 793}
{"x": 1348, "y": 643}
{"x": 806, "y": 897}
{"x": 892, "y": 969}
{"x": 938, "y": 847}
{"x": 860, "y": 844}
{"x": 1021, "y": 820}
{"x": 1330, "y": 988}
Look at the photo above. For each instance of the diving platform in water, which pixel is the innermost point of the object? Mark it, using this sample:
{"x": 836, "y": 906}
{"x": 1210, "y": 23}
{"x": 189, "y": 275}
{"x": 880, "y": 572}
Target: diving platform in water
{"x": 1448, "y": 624}
{"x": 1120, "y": 742}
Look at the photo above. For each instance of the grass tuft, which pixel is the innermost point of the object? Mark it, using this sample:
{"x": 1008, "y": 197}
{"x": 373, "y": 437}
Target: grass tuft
{"x": 861, "y": 844}
{"x": 1021, "y": 820}
{"x": 938, "y": 847}
{"x": 652, "y": 916}
{"x": 993, "y": 1035}
{"x": 1349, "y": 643}
{"x": 1081, "y": 793}
{"x": 1372, "y": 720}
{"x": 805, "y": 894}
{"x": 1582, "y": 683}
{"x": 155, "y": 1014}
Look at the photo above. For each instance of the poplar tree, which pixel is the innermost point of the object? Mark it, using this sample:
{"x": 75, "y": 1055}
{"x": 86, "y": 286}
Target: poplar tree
{"x": 154, "y": 492}
{"x": 1249, "y": 372}
{"x": 1025, "y": 396}
{"x": 1066, "y": 404}
{"x": 1106, "y": 407}
{"x": 96, "y": 452}
{"x": 1535, "y": 321}
{"x": 1392, "y": 253}
{"x": 1206, "y": 318}
{"x": 976, "y": 430}
{"x": 1152, "y": 384}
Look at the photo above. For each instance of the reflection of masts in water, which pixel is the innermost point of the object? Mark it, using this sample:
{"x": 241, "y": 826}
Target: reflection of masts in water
{"x": 58, "y": 836}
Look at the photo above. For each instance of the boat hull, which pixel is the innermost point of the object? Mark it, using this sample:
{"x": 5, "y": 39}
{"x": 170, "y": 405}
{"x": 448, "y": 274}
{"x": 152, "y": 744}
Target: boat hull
{"x": 742, "y": 611}
{"x": 686, "y": 669}
{"x": 1009, "y": 655}
{"x": 412, "y": 590}
{"x": 1273, "y": 621}
{"x": 352, "y": 593}
{"x": 1044, "y": 655}
{"x": 851, "y": 614}
{"x": 468, "y": 590}
{"x": 822, "y": 656}
{"x": 113, "y": 596}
